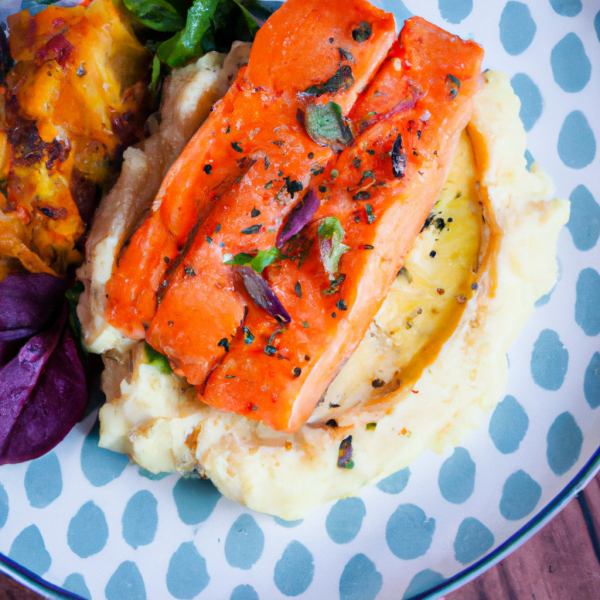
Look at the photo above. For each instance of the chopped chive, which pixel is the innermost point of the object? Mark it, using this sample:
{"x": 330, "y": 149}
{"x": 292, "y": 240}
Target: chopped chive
{"x": 189, "y": 271}
{"x": 370, "y": 216}
{"x": 236, "y": 146}
{"x": 209, "y": 240}
{"x": 270, "y": 350}
{"x": 305, "y": 324}
{"x": 248, "y": 337}
{"x": 252, "y": 229}
{"x": 229, "y": 376}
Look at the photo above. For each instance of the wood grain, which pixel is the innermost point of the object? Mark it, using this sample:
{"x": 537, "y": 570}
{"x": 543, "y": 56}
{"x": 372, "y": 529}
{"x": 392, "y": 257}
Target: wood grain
{"x": 561, "y": 562}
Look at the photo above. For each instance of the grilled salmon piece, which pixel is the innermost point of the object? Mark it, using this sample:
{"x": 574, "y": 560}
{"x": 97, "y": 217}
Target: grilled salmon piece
{"x": 411, "y": 118}
{"x": 303, "y": 51}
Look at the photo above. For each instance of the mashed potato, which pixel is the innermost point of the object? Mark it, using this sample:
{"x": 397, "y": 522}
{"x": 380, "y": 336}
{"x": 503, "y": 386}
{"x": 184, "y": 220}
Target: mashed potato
{"x": 431, "y": 365}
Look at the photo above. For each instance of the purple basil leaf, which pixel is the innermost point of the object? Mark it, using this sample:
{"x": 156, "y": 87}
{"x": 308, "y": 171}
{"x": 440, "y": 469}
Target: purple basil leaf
{"x": 42, "y": 394}
{"x": 28, "y": 301}
{"x": 299, "y": 216}
{"x": 263, "y": 295}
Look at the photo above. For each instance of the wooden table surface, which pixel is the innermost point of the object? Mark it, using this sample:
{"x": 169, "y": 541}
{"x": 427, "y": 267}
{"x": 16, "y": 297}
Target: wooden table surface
{"x": 561, "y": 562}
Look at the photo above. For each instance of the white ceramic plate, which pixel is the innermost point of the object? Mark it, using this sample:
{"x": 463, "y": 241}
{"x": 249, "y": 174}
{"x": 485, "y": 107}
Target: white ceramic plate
{"x": 83, "y": 519}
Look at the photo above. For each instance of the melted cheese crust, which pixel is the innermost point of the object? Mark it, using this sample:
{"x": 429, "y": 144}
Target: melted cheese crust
{"x": 441, "y": 369}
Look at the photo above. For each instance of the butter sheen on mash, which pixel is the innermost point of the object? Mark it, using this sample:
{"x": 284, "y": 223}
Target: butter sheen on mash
{"x": 432, "y": 363}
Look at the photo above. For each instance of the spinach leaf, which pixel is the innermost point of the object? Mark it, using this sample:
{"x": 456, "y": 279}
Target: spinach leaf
{"x": 326, "y": 127}
{"x": 342, "y": 78}
{"x": 250, "y": 20}
{"x": 155, "y": 14}
{"x": 187, "y": 43}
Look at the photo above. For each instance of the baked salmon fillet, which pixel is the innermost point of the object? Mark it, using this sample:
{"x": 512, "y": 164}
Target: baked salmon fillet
{"x": 278, "y": 232}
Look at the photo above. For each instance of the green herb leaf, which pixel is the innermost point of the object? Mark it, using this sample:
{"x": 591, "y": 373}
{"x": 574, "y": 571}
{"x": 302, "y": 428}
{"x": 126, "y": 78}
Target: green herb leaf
{"x": 331, "y": 234}
{"x": 257, "y": 261}
{"x": 362, "y": 32}
{"x": 250, "y": 20}
{"x": 370, "y": 216}
{"x": 187, "y": 43}
{"x": 155, "y": 80}
{"x": 159, "y": 15}
{"x": 342, "y": 78}
{"x": 325, "y": 126}
{"x": 157, "y": 360}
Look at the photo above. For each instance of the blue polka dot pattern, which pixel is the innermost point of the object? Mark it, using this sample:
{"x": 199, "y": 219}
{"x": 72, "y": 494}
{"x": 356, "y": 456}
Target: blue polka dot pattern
{"x": 360, "y": 580}
{"x": 345, "y": 520}
{"x": 587, "y": 307}
{"x": 195, "y": 499}
{"x": 3, "y": 506}
{"x": 43, "y": 481}
{"x": 517, "y": 28}
{"x": 473, "y": 540}
{"x": 531, "y": 99}
{"x": 295, "y": 570}
{"x": 584, "y": 222}
{"x": 454, "y": 11}
{"x": 28, "y": 549}
{"x": 423, "y": 581}
{"x": 244, "y": 592}
{"x": 564, "y": 441}
{"x": 567, "y": 8}
{"x": 396, "y": 482}
{"x": 100, "y": 466}
{"x": 187, "y": 575}
{"x": 245, "y": 542}
{"x": 88, "y": 530}
{"x": 508, "y": 425}
{"x": 409, "y": 532}
{"x": 140, "y": 519}
{"x": 76, "y": 583}
{"x": 457, "y": 477}
{"x": 591, "y": 385}
{"x": 212, "y": 547}
{"x": 549, "y": 361}
{"x": 126, "y": 582}
{"x": 576, "y": 141}
{"x": 520, "y": 496}
{"x": 571, "y": 66}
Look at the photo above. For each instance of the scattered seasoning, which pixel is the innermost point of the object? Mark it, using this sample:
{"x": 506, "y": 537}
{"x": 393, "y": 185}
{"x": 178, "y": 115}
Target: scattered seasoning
{"x": 364, "y": 195}
{"x": 167, "y": 259}
{"x": 229, "y": 376}
{"x": 248, "y": 337}
{"x": 317, "y": 170}
{"x": 341, "y": 79}
{"x": 368, "y": 247}
{"x": 461, "y": 299}
{"x": 268, "y": 186}
{"x": 207, "y": 169}
{"x": 209, "y": 240}
{"x": 218, "y": 228}
{"x": 433, "y": 254}
{"x": 288, "y": 446}
{"x": 356, "y": 162}
{"x": 404, "y": 431}
{"x": 293, "y": 186}
{"x": 252, "y": 229}
{"x": 311, "y": 155}
{"x": 440, "y": 224}
{"x": 404, "y": 271}
{"x": 334, "y": 173}
{"x": 372, "y": 113}
{"x": 341, "y": 304}
{"x": 171, "y": 323}
{"x": 306, "y": 357}
{"x": 450, "y": 220}
{"x": 278, "y": 143}
{"x": 441, "y": 291}
{"x": 267, "y": 163}
{"x": 270, "y": 350}
{"x": 357, "y": 218}
{"x": 377, "y": 383}
{"x": 332, "y": 423}
{"x": 418, "y": 134}
{"x": 454, "y": 84}
{"x": 409, "y": 323}
{"x": 189, "y": 271}
{"x": 279, "y": 173}
{"x": 362, "y": 32}
{"x": 344, "y": 460}
{"x": 333, "y": 315}
{"x": 370, "y": 216}
{"x": 228, "y": 129}
{"x": 296, "y": 371}
{"x": 415, "y": 391}
{"x": 331, "y": 40}
{"x": 224, "y": 343}
{"x": 398, "y": 158}
{"x": 254, "y": 407}
{"x": 371, "y": 426}
{"x": 305, "y": 325}
{"x": 474, "y": 286}
{"x": 333, "y": 405}
{"x": 371, "y": 152}
{"x": 236, "y": 146}
{"x": 298, "y": 289}
{"x": 345, "y": 55}
{"x": 254, "y": 212}
{"x": 335, "y": 285}
{"x": 322, "y": 189}
{"x": 81, "y": 72}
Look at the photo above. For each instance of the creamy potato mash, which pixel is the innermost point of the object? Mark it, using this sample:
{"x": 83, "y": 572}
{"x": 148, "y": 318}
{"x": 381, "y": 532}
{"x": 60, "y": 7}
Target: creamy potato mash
{"x": 431, "y": 365}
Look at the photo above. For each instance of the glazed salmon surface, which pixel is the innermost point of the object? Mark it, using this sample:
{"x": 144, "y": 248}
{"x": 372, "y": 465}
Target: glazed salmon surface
{"x": 253, "y": 161}
{"x": 298, "y": 47}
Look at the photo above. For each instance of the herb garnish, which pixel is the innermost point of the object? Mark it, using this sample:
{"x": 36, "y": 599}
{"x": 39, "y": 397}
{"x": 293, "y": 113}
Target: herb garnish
{"x": 296, "y": 371}
{"x": 156, "y": 359}
{"x": 398, "y": 158}
{"x": 258, "y": 261}
{"x": 362, "y": 32}
{"x": 252, "y": 229}
{"x": 207, "y": 169}
{"x": 341, "y": 304}
{"x": 268, "y": 186}
{"x": 364, "y": 195}
{"x": 189, "y": 271}
{"x": 370, "y": 216}
{"x": 325, "y": 126}
{"x": 293, "y": 186}
{"x": 454, "y": 83}
{"x": 335, "y": 285}
{"x": 224, "y": 343}
{"x": 298, "y": 289}
{"x": 345, "y": 55}
{"x": 254, "y": 212}
{"x": 342, "y": 78}
{"x": 236, "y": 146}
{"x": 371, "y": 426}
{"x": 248, "y": 337}
{"x": 331, "y": 234}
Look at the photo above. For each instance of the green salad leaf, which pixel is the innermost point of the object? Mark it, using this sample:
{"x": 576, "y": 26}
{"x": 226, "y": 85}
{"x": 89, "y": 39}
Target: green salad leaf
{"x": 159, "y": 15}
